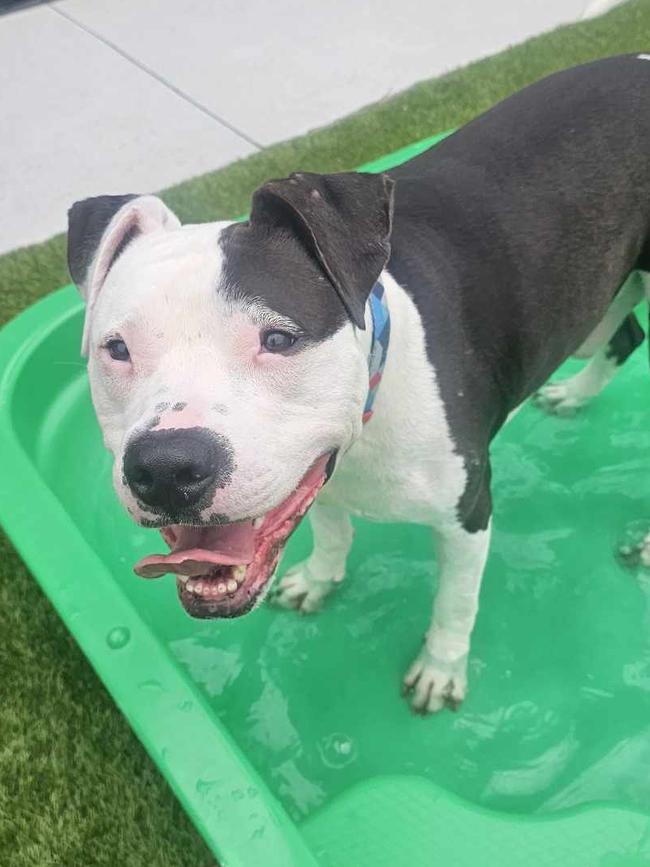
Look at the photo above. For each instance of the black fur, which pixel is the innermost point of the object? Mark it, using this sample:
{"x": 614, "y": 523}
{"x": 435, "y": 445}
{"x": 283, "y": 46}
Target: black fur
{"x": 513, "y": 236}
{"x": 314, "y": 233}
{"x": 272, "y": 266}
{"x": 628, "y": 336}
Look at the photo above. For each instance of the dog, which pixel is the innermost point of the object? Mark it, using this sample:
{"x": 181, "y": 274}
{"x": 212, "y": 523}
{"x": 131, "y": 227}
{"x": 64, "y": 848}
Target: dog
{"x": 356, "y": 344}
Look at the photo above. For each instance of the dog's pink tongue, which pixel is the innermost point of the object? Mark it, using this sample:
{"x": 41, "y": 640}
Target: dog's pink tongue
{"x": 195, "y": 550}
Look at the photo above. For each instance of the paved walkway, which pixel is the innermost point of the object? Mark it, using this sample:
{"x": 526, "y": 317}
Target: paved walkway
{"x": 117, "y": 96}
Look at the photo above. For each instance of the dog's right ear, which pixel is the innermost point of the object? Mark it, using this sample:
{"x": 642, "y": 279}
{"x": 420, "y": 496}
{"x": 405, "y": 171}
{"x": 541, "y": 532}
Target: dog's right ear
{"x": 98, "y": 231}
{"x": 343, "y": 219}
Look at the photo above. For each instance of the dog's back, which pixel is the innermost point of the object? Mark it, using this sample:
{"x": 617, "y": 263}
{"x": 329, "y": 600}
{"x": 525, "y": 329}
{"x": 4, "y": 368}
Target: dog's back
{"x": 515, "y": 233}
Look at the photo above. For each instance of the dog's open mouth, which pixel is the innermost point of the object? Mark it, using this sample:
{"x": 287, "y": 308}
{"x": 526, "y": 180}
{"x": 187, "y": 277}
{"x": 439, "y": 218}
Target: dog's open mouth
{"x": 223, "y": 570}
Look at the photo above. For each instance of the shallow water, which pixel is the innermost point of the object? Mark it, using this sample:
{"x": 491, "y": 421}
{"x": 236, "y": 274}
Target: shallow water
{"x": 558, "y": 712}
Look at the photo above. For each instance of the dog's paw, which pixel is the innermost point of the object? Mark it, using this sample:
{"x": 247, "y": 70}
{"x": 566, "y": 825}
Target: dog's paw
{"x": 559, "y": 399}
{"x": 299, "y": 591}
{"x": 635, "y": 552}
{"x": 432, "y": 685}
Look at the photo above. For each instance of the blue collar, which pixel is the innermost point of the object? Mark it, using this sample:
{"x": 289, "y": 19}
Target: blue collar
{"x": 378, "y": 345}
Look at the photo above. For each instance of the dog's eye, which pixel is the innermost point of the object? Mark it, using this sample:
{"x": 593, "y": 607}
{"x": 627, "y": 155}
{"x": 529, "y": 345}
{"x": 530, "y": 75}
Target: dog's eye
{"x": 118, "y": 350}
{"x": 278, "y": 341}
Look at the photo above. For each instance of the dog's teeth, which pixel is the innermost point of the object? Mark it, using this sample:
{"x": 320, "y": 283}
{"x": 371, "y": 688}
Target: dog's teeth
{"x": 190, "y": 585}
{"x": 232, "y": 585}
{"x": 221, "y": 587}
{"x": 198, "y": 587}
{"x": 257, "y": 523}
{"x": 239, "y": 573}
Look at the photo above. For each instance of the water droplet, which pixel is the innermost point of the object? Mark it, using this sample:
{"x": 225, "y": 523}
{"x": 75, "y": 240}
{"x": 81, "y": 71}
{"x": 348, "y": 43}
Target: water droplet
{"x": 205, "y": 787}
{"x": 118, "y": 637}
{"x": 237, "y": 794}
{"x": 152, "y": 685}
{"x": 337, "y": 750}
{"x": 186, "y": 706}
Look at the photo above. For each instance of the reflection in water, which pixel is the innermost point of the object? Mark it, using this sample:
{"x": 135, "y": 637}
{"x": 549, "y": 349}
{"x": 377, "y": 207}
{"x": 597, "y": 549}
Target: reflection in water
{"x": 533, "y": 776}
{"x": 269, "y": 722}
{"x": 304, "y": 794}
{"x": 210, "y": 667}
{"x": 622, "y": 775}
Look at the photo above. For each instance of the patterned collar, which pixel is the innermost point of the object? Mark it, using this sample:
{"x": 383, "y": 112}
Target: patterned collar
{"x": 378, "y": 345}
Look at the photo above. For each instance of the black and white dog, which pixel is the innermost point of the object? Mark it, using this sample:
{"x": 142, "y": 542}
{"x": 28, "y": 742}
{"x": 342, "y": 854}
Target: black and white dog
{"x": 233, "y": 365}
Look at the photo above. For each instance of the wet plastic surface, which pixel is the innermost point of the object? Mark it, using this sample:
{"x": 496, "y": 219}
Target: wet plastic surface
{"x": 285, "y": 736}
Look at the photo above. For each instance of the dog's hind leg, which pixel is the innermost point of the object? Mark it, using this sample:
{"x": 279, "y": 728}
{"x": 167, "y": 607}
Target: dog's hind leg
{"x": 305, "y": 586}
{"x": 568, "y": 396}
{"x": 607, "y": 347}
{"x": 628, "y": 296}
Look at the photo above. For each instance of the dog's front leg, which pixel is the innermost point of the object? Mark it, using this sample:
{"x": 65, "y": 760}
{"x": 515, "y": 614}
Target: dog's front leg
{"x": 438, "y": 676}
{"x": 306, "y": 585}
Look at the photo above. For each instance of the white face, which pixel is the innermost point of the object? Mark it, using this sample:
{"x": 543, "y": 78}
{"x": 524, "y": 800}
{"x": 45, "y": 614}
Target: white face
{"x": 196, "y": 360}
{"x": 226, "y": 375}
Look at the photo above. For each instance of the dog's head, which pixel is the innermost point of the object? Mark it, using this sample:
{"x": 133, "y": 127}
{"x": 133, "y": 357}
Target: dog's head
{"x": 228, "y": 366}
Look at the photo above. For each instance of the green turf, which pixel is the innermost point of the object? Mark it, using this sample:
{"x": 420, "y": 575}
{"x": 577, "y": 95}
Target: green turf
{"x": 76, "y": 787}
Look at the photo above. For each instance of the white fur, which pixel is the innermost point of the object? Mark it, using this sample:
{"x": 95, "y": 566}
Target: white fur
{"x": 194, "y": 345}
{"x": 568, "y": 396}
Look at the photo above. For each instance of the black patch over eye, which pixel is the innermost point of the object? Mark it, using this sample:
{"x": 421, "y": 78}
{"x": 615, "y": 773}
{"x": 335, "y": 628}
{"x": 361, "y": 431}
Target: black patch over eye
{"x": 277, "y": 341}
{"x": 118, "y": 350}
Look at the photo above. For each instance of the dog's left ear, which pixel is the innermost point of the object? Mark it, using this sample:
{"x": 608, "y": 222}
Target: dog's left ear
{"x": 99, "y": 229}
{"x": 343, "y": 219}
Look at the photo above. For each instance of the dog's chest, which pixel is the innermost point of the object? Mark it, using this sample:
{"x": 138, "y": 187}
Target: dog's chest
{"x": 394, "y": 490}
{"x": 417, "y": 481}
{"x": 405, "y": 466}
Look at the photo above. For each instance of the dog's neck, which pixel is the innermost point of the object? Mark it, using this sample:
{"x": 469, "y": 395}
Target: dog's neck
{"x": 407, "y": 408}
{"x": 379, "y": 318}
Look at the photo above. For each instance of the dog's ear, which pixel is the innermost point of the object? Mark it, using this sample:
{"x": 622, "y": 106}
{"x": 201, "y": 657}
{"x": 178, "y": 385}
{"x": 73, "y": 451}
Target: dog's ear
{"x": 343, "y": 219}
{"x": 98, "y": 231}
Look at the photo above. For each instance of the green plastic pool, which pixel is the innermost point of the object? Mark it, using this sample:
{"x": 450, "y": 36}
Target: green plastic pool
{"x": 285, "y": 736}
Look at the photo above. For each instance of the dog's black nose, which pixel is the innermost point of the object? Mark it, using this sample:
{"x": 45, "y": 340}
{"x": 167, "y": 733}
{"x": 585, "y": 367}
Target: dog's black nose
{"x": 176, "y": 471}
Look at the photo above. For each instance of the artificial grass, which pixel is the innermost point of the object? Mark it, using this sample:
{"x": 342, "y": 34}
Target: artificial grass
{"x": 76, "y": 787}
